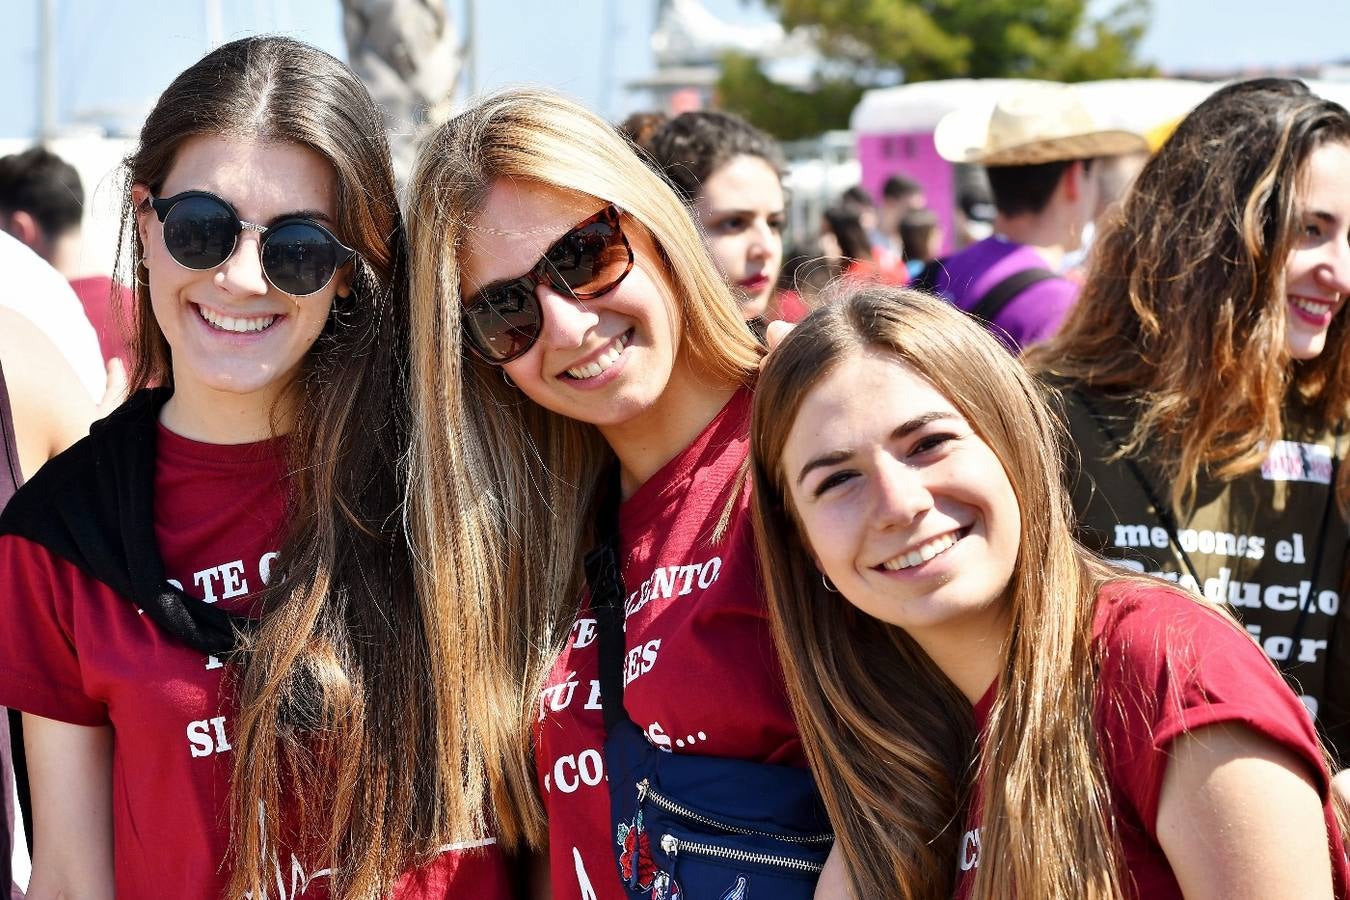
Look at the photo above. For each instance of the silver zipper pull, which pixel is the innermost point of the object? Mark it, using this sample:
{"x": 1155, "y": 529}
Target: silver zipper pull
{"x": 642, "y": 789}
{"x": 670, "y": 844}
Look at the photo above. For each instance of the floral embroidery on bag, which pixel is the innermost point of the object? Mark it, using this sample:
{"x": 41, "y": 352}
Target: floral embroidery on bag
{"x": 635, "y": 856}
{"x": 636, "y": 864}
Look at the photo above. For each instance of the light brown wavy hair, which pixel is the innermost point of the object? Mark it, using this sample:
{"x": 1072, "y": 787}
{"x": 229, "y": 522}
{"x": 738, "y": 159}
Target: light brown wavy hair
{"x": 344, "y": 733}
{"x": 1184, "y": 305}
{"x": 501, "y": 488}
{"x": 888, "y": 736}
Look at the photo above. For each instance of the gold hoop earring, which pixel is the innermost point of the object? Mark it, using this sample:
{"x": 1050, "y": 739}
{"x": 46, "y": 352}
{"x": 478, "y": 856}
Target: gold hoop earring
{"x": 139, "y": 266}
{"x": 829, "y": 585}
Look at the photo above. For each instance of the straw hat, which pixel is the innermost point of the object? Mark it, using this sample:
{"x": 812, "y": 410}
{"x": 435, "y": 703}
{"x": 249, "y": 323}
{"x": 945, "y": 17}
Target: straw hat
{"x": 1030, "y": 124}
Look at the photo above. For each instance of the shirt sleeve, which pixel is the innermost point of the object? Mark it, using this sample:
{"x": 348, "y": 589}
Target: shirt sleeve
{"x": 1170, "y": 665}
{"x": 40, "y": 670}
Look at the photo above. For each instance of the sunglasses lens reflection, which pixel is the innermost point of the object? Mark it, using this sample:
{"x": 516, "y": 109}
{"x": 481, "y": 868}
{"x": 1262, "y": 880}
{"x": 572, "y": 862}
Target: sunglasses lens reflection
{"x": 590, "y": 260}
{"x": 505, "y": 323}
{"x": 299, "y": 258}
{"x": 200, "y": 232}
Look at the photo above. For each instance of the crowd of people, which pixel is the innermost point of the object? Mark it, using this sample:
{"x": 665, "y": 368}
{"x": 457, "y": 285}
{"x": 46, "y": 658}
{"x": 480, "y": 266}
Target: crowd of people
{"x": 560, "y": 533}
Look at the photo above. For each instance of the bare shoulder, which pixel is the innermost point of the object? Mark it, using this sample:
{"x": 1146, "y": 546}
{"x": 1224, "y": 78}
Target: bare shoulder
{"x": 51, "y": 408}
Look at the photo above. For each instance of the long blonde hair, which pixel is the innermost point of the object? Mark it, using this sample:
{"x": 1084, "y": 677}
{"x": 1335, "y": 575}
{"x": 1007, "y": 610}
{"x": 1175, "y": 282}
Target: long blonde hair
{"x": 887, "y": 734}
{"x": 501, "y": 488}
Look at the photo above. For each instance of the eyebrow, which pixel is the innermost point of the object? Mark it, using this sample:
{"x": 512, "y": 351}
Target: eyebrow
{"x": 904, "y": 429}
{"x": 745, "y": 212}
{"x": 503, "y": 282}
{"x": 316, "y": 214}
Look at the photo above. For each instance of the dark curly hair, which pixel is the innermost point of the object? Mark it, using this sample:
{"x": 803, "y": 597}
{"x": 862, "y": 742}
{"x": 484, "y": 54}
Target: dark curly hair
{"x": 693, "y": 145}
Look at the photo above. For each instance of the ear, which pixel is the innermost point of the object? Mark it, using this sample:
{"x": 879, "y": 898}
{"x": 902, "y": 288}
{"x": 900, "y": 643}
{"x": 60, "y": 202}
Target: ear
{"x": 25, "y": 229}
{"x": 342, "y": 280}
{"x": 140, "y": 202}
{"x": 1073, "y": 179}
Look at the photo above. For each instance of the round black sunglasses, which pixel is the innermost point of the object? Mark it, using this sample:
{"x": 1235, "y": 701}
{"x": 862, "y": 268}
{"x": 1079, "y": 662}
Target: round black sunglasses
{"x": 299, "y": 255}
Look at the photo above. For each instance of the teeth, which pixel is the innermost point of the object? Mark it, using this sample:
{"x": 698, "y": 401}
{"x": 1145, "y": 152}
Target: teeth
{"x": 603, "y": 361}
{"x": 923, "y": 553}
{"x": 238, "y": 325}
{"x": 1311, "y": 307}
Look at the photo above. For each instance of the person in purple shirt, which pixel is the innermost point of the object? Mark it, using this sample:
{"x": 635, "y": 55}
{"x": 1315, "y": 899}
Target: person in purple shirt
{"x": 1038, "y": 145}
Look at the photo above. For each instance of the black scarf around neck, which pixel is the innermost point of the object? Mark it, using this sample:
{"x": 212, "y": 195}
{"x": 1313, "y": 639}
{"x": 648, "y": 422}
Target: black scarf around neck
{"x": 93, "y": 506}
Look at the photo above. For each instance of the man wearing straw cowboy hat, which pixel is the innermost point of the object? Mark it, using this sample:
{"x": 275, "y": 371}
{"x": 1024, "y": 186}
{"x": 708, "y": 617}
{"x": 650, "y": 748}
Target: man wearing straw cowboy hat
{"x": 1037, "y": 144}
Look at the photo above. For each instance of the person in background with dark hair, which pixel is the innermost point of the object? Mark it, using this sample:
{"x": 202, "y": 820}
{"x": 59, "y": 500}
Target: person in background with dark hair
{"x": 228, "y": 677}
{"x": 900, "y": 195}
{"x": 920, "y": 239}
{"x": 973, "y": 215}
{"x": 42, "y": 205}
{"x": 844, "y": 242}
{"x": 640, "y": 127}
{"x": 1038, "y": 146}
{"x": 1205, "y": 377}
{"x": 730, "y": 175}
{"x": 884, "y": 252}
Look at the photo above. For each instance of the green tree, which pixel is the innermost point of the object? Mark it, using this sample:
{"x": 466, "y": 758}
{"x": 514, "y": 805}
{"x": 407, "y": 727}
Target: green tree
{"x": 922, "y": 40}
{"x": 786, "y": 113}
{"x": 927, "y": 39}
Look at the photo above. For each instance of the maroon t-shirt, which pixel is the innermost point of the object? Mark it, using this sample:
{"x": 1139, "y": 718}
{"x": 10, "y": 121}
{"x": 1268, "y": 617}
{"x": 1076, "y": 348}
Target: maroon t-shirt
{"x": 1170, "y": 665}
{"x": 701, "y": 672}
{"x": 74, "y": 651}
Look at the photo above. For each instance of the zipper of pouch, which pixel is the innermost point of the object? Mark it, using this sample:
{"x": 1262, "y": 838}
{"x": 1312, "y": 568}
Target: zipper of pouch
{"x": 646, "y": 793}
{"x": 674, "y": 846}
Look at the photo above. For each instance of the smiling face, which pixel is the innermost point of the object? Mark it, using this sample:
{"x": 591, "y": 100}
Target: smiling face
{"x": 740, "y": 210}
{"x": 607, "y": 361}
{"x": 235, "y": 340}
{"x": 905, "y": 508}
{"x": 1317, "y": 277}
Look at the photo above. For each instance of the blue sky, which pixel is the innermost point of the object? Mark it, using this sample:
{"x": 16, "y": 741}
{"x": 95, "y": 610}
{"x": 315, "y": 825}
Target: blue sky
{"x": 119, "y": 54}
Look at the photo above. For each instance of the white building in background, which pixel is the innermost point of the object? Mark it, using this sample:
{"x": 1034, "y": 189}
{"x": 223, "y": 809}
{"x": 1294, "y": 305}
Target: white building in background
{"x": 689, "y": 42}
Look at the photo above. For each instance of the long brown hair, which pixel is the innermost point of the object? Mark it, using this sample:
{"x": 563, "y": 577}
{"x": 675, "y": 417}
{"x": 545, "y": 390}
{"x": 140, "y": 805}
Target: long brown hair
{"x": 501, "y": 487}
{"x": 886, "y": 733}
{"x": 1183, "y": 309}
{"x": 339, "y": 718}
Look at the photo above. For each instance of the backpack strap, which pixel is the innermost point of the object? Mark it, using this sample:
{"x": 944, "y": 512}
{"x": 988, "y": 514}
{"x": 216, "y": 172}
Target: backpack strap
{"x": 1000, "y": 295}
{"x": 605, "y": 580}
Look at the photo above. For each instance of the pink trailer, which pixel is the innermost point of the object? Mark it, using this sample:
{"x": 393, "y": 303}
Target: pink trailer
{"x": 894, "y": 126}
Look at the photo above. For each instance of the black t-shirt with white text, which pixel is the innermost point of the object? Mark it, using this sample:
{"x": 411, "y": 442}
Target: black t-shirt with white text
{"x": 1252, "y": 542}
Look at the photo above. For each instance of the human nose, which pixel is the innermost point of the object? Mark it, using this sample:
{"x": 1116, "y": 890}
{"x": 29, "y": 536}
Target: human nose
{"x": 1334, "y": 273}
{"x": 242, "y": 271}
{"x": 567, "y": 320}
{"x": 901, "y": 494}
{"x": 761, "y": 242}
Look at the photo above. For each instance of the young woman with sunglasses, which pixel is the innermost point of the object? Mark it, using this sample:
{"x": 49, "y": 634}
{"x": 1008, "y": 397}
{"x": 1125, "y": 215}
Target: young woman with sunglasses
{"x": 1205, "y": 376}
{"x": 231, "y": 686}
{"x": 991, "y": 710}
{"x": 730, "y": 174}
{"x": 567, "y": 321}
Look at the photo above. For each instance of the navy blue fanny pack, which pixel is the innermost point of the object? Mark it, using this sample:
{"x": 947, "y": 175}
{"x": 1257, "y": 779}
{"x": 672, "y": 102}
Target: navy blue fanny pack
{"x": 690, "y": 827}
